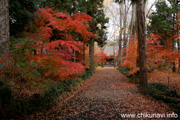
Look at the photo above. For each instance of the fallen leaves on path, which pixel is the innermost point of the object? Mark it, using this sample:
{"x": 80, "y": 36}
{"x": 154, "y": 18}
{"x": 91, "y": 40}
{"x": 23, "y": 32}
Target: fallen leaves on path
{"x": 106, "y": 95}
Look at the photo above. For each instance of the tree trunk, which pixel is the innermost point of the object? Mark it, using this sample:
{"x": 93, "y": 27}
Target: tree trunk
{"x": 125, "y": 42}
{"x": 133, "y": 28}
{"x": 91, "y": 54}
{"x": 178, "y": 12}
{"x": 133, "y": 25}
{"x": 119, "y": 51}
{"x": 137, "y": 59}
{"x": 114, "y": 56}
{"x": 102, "y": 64}
{"x": 173, "y": 46}
{"x": 4, "y": 27}
{"x": 179, "y": 52}
{"x": 142, "y": 46}
{"x": 120, "y": 38}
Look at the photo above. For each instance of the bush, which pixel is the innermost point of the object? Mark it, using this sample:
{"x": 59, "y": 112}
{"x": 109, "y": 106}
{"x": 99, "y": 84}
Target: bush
{"x": 5, "y": 95}
{"x": 13, "y": 107}
{"x": 87, "y": 74}
{"x": 133, "y": 78}
{"x": 160, "y": 91}
{"x": 124, "y": 71}
{"x": 28, "y": 71}
{"x": 1, "y": 83}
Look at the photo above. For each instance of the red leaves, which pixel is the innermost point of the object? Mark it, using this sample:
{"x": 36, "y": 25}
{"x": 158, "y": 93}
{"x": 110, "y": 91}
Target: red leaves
{"x": 57, "y": 69}
{"x": 157, "y": 55}
{"x": 100, "y": 57}
{"x": 63, "y": 22}
{"x": 131, "y": 56}
{"x": 57, "y": 44}
{"x": 60, "y": 15}
{"x": 59, "y": 25}
{"x": 43, "y": 34}
{"x": 39, "y": 57}
{"x": 82, "y": 17}
{"x": 64, "y": 48}
{"x": 169, "y": 40}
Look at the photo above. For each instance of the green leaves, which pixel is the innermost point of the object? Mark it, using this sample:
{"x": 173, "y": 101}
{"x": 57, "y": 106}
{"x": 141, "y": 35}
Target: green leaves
{"x": 161, "y": 20}
{"x": 21, "y": 14}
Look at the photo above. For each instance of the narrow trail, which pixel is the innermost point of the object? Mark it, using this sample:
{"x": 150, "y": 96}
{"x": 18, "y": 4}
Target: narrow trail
{"x": 107, "y": 95}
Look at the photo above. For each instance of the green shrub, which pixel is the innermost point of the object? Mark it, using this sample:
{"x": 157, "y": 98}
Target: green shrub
{"x": 19, "y": 107}
{"x": 125, "y": 71}
{"x": 5, "y": 95}
{"x": 133, "y": 78}
{"x": 158, "y": 86}
{"x": 1, "y": 83}
{"x": 12, "y": 107}
{"x": 162, "y": 92}
{"x": 86, "y": 75}
{"x": 172, "y": 93}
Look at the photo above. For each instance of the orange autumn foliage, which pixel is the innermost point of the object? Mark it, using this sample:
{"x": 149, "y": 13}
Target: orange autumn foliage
{"x": 157, "y": 55}
{"x": 131, "y": 56}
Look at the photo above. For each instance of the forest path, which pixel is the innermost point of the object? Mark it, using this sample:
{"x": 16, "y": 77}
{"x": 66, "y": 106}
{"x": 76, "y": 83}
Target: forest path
{"x": 107, "y": 95}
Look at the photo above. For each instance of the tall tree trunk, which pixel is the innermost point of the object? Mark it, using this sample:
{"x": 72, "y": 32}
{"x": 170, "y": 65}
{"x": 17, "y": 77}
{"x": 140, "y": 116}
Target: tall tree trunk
{"x": 173, "y": 46}
{"x": 4, "y": 27}
{"x": 179, "y": 52}
{"x": 114, "y": 56}
{"x": 120, "y": 38}
{"x": 133, "y": 26}
{"x": 125, "y": 42}
{"x": 91, "y": 54}
{"x": 120, "y": 48}
{"x": 137, "y": 59}
{"x": 142, "y": 46}
{"x": 178, "y": 30}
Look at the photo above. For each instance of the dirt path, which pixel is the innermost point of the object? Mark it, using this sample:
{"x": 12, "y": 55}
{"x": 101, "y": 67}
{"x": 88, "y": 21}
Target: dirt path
{"x": 107, "y": 95}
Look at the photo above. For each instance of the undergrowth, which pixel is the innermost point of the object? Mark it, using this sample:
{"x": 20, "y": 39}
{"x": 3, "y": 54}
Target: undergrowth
{"x": 133, "y": 78}
{"x": 157, "y": 91}
{"x": 163, "y": 93}
{"x": 12, "y": 107}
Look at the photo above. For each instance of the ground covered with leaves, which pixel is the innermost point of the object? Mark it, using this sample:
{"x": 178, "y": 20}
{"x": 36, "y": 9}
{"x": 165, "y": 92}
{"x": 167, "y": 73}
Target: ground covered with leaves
{"x": 106, "y": 95}
{"x": 163, "y": 76}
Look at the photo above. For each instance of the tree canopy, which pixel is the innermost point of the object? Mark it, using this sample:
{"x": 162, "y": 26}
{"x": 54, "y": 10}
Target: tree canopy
{"x": 21, "y": 14}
